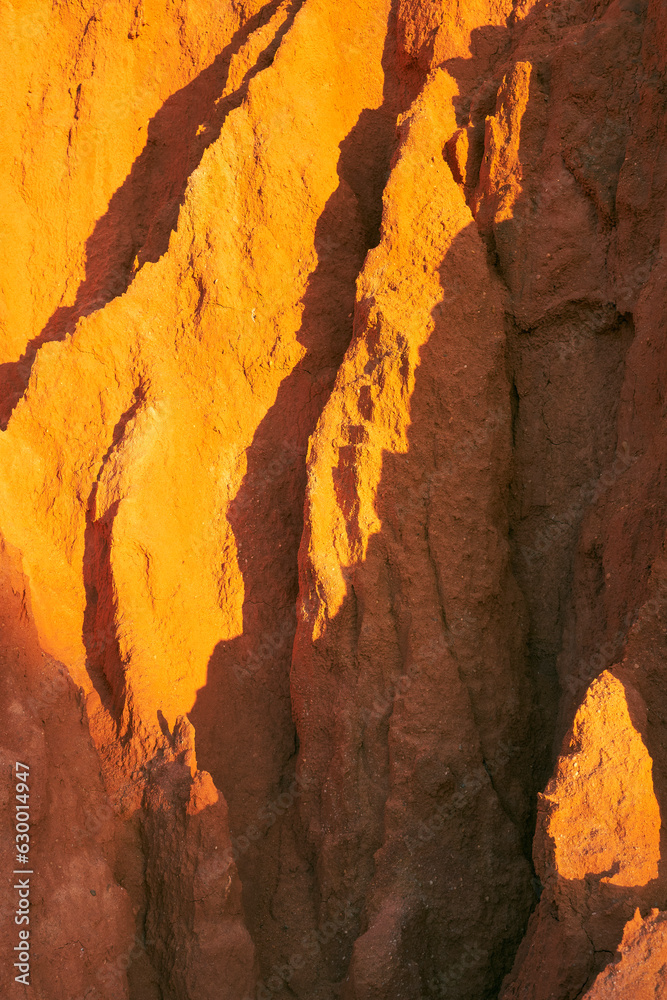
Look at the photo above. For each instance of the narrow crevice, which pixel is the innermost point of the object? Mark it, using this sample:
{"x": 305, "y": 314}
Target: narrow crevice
{"x": 103, "y": 657}
{"x": 573, "y": 364}
{"x": 346, "y": 230}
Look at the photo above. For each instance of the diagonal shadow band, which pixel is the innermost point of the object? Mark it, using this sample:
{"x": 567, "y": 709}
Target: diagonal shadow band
{"x": 243, "y": 717}
{"x": 144, "y": 210}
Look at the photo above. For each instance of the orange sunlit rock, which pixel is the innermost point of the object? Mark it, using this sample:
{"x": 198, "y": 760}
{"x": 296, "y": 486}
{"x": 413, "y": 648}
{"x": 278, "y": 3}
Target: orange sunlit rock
{"x": 597, "y": 847}
{"x": 603, "y": 816}
{"x": 332, "y": 497}
{"x": 640, "y": 967}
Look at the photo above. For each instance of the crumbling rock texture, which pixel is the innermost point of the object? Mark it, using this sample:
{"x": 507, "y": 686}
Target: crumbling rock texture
{"x": 332, "y": 479}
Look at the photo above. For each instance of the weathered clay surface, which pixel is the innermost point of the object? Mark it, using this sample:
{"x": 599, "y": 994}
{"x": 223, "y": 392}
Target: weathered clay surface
{"x": 640, "y": 967}
{"x": 597, "y": 845}
{"x": 409, "y": 647}
{"x": 332, "y": 490}
{"x": 84, "y": 916}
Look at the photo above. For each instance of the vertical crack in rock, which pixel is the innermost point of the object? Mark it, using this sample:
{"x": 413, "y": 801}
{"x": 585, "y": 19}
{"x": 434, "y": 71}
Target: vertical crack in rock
{"x": 415, "y": 386}
{"x": 194, "y": 915}
{"x": 99, "y": 621}
{"x": 568, "y": 374}
{"x": 551, "y": 201}
{"x": 268, "y": 505}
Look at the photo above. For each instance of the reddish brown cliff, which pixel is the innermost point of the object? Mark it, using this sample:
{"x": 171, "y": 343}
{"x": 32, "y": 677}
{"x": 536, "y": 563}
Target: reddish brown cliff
{"x": 332, "y": 497}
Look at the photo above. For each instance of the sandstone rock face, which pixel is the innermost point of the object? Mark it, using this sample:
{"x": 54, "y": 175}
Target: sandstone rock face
{"x": 640, "y": 969}
{"x": 332, "y": 497}
{"x": 407, "y": 675}
{"x": 84, "y": 913}
{"x": 597, "y": 845}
